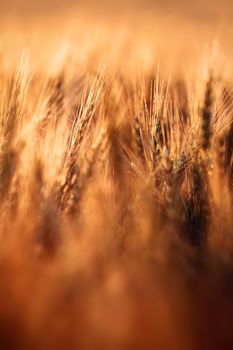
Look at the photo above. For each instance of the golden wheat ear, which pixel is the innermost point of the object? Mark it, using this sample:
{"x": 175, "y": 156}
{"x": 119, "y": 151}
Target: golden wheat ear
{"x": 207, "y": 115}
{"x": 12, "y": 115}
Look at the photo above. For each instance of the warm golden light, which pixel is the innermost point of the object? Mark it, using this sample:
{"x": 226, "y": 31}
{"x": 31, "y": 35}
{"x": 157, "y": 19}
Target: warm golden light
{"x": 116, "y": 170}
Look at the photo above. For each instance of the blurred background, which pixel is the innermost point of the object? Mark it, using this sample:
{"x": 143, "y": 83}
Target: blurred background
{"x": 199, "y": 9}
{"x": 172, "y": 31}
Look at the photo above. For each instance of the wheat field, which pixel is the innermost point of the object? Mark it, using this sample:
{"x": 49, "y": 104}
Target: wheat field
{"x": 116, "y": 182}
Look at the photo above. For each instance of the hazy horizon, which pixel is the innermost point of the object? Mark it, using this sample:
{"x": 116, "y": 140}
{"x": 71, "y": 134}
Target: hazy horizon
{"x": 199, "y": 9}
